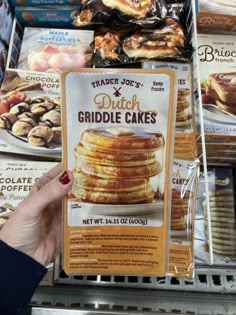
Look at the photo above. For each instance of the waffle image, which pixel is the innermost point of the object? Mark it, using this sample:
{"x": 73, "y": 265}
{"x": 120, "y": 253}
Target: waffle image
{"x": 222, "y": 90}
{"x": 114, "y": 165}
{"x": 222, "y": 221}
{"x": 183, "y": 104}
{"x": 179, "y": 209}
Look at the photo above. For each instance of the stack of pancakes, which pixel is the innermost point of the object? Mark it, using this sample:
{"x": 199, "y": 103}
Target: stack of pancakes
{"x": 182, "y": 115}
{"x": 114, "y": 166}
{"x": 179, "y": 209}
{"x": 222, "y": 221}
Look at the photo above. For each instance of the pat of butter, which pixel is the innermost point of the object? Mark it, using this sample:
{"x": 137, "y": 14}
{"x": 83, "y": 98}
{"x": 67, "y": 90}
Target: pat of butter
{"x": 233, "y": 81}
{"x": 120, "y": 131}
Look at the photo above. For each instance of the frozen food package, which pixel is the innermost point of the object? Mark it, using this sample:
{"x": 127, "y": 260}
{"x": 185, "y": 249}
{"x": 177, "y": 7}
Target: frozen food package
{"x": 30, "y": 114}
{"x": 39, "y": 3}
{"x": 185, "y": 136}
{"x": 166, "y": 41}
{"x": 52, "y": 50}
{"x": 216, "y": 55}
{"x": 119, "y": 145}
{"x": 17, "y": 179}
{"x": 215, "y": 218}
{"x": 139, "y": 12}
{"x": 183, "y": 204}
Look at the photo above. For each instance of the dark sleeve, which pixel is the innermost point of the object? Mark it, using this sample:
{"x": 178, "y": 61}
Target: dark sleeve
{"x": 19, "y": 277}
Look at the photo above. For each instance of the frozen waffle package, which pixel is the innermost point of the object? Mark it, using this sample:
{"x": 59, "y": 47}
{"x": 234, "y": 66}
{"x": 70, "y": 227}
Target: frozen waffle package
{"x": 184, "y": 191}
{"x": 119, "y": 145}
{"x": 217, "y": 63}
{"x": 139, "y": 12}
{"x": 185, "y": 142}
{"x": 215, "y": 218}
{"x": 117, "y": 46}
{"x": 52, "y": 50}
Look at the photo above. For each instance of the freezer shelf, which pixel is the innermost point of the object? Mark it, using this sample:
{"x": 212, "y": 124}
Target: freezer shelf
{"x": 124, "y": 301}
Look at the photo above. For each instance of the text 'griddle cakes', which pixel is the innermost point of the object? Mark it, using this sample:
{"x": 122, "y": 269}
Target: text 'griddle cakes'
{"x": 222, "y": 213}
{"x": 114, "y": 165}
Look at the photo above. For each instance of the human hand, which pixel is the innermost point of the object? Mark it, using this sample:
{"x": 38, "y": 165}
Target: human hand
{"x": 35, "y": 227}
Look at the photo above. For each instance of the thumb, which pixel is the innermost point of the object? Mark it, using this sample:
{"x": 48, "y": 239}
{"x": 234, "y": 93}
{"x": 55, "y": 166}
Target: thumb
{"x": 54, "y": 190}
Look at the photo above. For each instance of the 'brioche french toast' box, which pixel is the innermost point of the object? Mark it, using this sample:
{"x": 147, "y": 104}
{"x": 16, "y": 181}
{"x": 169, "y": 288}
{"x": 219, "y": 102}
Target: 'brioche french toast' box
{"x": 217, "y": 62}
{"x": 184, "y": 190}
{"x": 216, "y": 225}
{"x": 216, "y": 16}
{"x": 119, "y": 144}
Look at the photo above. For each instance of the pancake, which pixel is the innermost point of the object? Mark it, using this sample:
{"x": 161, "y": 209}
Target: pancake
{"x": 182, "y": 116}
{"x": 122, "y": 139}
{"x": 183, "y": 92}
{"x": 143, "y": 195}
{"x": 95, "y": 183}
{"x": 121, "y": 172}
{"x": 178, "y": 224}
{"x": 220, "y": 192}
{"x": 82, "y": 153}
{"x": 182, "y": 105}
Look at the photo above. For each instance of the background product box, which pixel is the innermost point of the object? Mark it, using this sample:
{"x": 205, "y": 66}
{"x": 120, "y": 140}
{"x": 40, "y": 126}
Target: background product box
{"x": 217, "y": 16}
{"x": 221, "y": 215}
{"x": 39, "y": 3}
{"x": 217, "y": 62}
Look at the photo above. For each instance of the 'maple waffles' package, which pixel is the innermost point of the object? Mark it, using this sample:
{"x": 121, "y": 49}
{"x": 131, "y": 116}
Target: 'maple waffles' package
{"x": 119, "y": 144}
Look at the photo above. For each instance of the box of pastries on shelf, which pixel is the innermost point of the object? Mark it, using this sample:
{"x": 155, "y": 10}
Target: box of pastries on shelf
{"x": 17, "y": 176}
{"x": 217, "y": 62}
{"x": 216, "y": 16}
{"x": 30, "y": 102}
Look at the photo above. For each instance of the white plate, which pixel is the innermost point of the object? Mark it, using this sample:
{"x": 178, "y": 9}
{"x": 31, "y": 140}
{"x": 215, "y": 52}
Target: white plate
{"x": 22, "y": 143}
{"x": 218, "y": 116}
{"x": 113, "y": 210}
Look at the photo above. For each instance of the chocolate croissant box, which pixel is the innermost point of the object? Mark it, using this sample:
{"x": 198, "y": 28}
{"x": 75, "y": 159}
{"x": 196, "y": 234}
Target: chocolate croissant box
{"x": 215, "y": 219}
{"x": 119, "y": 144}
{"x": 217, "y": 66}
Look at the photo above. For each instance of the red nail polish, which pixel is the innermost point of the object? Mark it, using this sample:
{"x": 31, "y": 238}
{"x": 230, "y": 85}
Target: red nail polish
{"x": 64, "y": 178}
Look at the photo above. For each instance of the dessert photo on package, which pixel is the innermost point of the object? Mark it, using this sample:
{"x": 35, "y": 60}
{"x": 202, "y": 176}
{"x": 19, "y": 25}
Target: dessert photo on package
{"x": 183, "y": 204}
{"x": 219, "y": 220}
{"x": 52, "y": 50}
{"x": 217, "y": 58}
{"x": 30, "y": 114}
{"x": 119, "y": 145}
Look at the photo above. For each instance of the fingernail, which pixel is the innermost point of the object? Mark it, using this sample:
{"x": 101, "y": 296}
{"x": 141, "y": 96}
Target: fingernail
{"x": 64, "y": 178}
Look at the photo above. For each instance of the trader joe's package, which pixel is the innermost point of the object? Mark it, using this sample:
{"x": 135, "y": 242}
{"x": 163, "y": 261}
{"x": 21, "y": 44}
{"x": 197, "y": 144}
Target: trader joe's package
{"x": 119, "y": 144}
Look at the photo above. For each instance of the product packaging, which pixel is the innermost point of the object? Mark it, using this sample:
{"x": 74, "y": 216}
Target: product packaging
{"x": 185, "y": 142}
{"x": 216, "y": 224}
{"x": 127, "y": 45}
{"x": 216, "y": 16}
{"x": 103, "y": 12}
{"x": 16, "y": 180}
{"x": 217, "y": 62}
{"x": 45, "y": 3}
{"x": 184, "y": 191}
{"x": 119, "y": 144}
{"x": 52, "y": 50}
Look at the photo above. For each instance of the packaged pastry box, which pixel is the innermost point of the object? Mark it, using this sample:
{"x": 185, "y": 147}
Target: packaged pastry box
{"x": 185, "y": 137}
{"x": 17, "y": 178}
{"x": 183, "y": 203}
{"x": 219, "y": 218}
{"x": 30, "y": 99}
{"x": 119, "y": 145}
{"x": 217, "y": 67}
{"x": 216, "y": 16}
